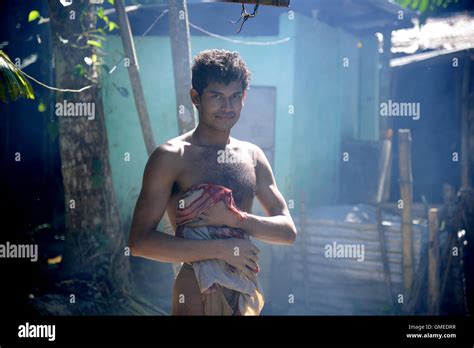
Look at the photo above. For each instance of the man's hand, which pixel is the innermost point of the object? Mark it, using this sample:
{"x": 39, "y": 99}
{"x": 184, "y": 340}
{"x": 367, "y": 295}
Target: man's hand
{"x": 217, "y": 215}
{"x": 242, "y": 254}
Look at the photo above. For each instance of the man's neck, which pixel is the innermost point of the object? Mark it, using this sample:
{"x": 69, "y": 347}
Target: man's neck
{"x": 210, "y": 137}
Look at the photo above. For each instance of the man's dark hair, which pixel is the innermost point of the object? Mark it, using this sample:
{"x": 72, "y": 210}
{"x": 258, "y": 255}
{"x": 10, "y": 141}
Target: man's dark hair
{"x": 219, "y": 66}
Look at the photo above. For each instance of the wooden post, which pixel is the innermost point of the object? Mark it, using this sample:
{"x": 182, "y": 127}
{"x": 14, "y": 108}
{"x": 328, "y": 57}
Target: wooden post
{"x": 133, "y": 72}
{"x": 385, "y": 77}
{"x": 383, "y": 174}
{"x": 406, "y": 194}
{"x": 181, "y": 52}
{"x": 433, "y": 262}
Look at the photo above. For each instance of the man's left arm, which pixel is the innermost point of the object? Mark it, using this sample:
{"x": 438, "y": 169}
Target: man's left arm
{"x": 278, "y": 227}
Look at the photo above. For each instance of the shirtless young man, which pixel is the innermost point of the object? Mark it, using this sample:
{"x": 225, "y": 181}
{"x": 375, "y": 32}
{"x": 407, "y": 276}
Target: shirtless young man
{"x": 219, "y": 80}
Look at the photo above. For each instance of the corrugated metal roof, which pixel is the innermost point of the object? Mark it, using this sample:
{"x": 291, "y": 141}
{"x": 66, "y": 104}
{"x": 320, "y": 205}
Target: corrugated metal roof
{"x": 357, "y": 16}
{"x": 438, "y": 36}
{"x": 456, "y": 32}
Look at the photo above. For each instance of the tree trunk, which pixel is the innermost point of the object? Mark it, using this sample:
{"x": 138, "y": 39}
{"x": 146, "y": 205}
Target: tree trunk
{"x": 94, "y": 237}
{"x": 181, "y": 51}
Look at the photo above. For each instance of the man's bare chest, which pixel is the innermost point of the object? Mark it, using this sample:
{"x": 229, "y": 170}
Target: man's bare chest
{"x": 234, "y": 169}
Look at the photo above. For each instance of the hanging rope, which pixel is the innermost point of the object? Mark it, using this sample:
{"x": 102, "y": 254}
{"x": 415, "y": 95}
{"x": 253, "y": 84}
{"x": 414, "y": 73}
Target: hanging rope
{"x": 244, "y": 16}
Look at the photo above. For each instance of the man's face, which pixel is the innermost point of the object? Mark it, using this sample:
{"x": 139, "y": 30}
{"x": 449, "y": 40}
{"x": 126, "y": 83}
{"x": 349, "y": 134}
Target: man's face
{"x": 220, "y": 105}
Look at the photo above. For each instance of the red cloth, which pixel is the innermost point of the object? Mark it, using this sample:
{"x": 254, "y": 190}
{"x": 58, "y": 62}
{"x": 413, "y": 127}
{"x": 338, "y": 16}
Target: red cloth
{"x": 210, "y": 195}
{"x": 196, "y": 200}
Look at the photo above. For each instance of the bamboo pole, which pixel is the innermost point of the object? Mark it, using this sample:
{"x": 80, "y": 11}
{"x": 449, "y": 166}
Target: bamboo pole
{"x": 134, "y": 74}
{"x": 181, "y": 52}
{"x": 278, "y": 3}
{"x": 385, "y": 166}
{"x": 405, "y": 180}
{"x": 385, "y": 159}
{"x": 433, "y": 262}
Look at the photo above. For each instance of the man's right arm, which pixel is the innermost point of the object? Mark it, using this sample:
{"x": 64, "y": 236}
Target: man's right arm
{"x": 145, "y": 241}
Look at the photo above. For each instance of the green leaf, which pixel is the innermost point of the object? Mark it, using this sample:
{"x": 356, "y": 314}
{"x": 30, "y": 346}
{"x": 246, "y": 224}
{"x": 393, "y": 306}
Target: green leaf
{"x": 405, "y": 3}
{"x": 106, "y": 19}
{"x": 100, "y": 12}
{"x": 94, "y": 43}
{"x": 112, "y": 26}
{"x": 110, "y": 2}
{"x": 12, "y": 81}
{"x": 423, "y": 6}
{"x": 414, "y": 4}
{"x": 33, "y": 15}
{"x": 41, "y": 107}
{"x": 79, "y": 70}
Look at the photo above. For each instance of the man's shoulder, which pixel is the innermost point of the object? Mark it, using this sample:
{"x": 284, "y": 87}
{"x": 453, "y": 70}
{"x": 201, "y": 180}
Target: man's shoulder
{"x": 174, "y": 146}
{"x": 169, "y": 153}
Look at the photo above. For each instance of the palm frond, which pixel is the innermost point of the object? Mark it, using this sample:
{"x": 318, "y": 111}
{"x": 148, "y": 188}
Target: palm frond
{"x": 12, "y": 81}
